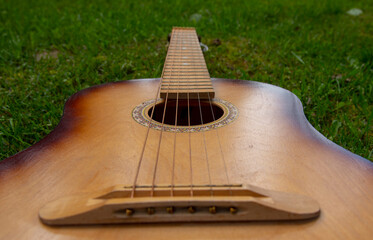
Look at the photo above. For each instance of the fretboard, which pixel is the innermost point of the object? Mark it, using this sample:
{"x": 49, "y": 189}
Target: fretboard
{"x": 185, "y": 74}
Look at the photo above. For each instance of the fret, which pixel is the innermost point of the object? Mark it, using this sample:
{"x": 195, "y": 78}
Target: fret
{"x": 210, "y": 90}
{"x": 171, "y": 48}
{"x": 198, "y": 60}
{"x": 183, "y": 75}
{"x": 185, "y": 72}
{"x": 186, "y": 78}
{"x": 185, "y": 55}
{"x": 177, "y": 81}
{"x": 174, "y": 45}
{"x": 186, "y": 88}
{"x": 193, "y": 56}
{"x": 174, "y": 73}
{"x": 185, "y": 58}
{"x": 183, "y": 50}
{"x": 176, "y": 77}
{"x": 184, "y": 39}
{"x": 186, "y": 63}
{"x": 206, "y": 76}
{"x": 178, "y": 61}
{"x": 183, "y": 63}
{"x": 184, "y": 44}
{"x": 187, "y": 84}
{"x": 193, "y": 50}
{"x": 176, "y": 67}
{"x": 184, "y": 36}
{"x": 194, "y": 44}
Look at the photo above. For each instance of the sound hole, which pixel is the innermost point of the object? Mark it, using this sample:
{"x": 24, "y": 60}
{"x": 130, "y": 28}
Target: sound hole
{"x": 182, "y": 112}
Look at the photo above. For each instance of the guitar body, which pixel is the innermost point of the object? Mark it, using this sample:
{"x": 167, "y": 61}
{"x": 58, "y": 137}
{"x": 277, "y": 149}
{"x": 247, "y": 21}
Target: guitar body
{"x": 270, "y": 144}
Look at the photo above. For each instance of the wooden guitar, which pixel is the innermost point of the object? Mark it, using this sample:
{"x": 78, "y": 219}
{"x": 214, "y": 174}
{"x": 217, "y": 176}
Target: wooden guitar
{"x": 185, "y": 156}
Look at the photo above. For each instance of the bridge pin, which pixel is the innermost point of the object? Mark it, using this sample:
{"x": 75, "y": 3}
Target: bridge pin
{"x": 191, "y": 209}
{"x": 212, "y": 209}
{"x": 129, "y": 212}
{"x": 170, "y": 209}
{"x": 233, "y": 210}
{"x": 150, "y": 210}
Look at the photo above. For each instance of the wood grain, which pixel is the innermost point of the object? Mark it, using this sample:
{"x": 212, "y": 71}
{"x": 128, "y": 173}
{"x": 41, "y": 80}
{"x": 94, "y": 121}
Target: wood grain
{"x": 271, "y": 145}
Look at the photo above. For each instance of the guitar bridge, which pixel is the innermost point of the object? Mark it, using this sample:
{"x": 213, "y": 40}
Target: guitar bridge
{"x": 198, "y": 203}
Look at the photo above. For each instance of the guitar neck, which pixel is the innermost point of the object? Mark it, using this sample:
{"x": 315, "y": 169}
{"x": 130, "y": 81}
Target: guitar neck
{"x": 185, "y": 74}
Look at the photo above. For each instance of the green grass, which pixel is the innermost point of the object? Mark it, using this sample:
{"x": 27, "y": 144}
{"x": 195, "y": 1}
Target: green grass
{"x": 52, "y": 49}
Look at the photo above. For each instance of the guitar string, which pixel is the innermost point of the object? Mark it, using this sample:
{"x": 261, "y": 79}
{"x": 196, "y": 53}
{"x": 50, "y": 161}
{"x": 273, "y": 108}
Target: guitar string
{"x": 179, "y": 42}
{"x": 159, "y": 144}
{"x": 147, "y": 133}
{"x": 221, "y": 149}
{"x": 172, "y": 184}
{"x": 205, "y": 147}
{"x": 174, "y": 153}
{"x": 189, "y": 137}
{"x": 203, "y": 132}
{"x": 144, "y": 145}
{"x": 190, "y": 150}
{"x": 190, "y": 145}
{"x": 162, "y": 125}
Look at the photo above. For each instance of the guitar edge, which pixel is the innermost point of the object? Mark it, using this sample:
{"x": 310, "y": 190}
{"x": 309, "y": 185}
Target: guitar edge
{"x": 270, "y": 145}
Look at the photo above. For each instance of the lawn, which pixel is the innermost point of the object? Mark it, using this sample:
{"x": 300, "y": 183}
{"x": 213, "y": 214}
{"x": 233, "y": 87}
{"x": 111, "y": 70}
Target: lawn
{"x": 52, "y": 49}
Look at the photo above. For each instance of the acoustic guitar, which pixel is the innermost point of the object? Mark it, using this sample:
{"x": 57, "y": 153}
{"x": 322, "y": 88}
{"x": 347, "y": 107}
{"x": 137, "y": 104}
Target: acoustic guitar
{"x": 185, "y": 156}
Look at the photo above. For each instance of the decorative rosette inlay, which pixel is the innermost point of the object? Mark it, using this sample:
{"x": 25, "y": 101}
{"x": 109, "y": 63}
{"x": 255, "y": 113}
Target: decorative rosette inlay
{"x": 140, "y": 114}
